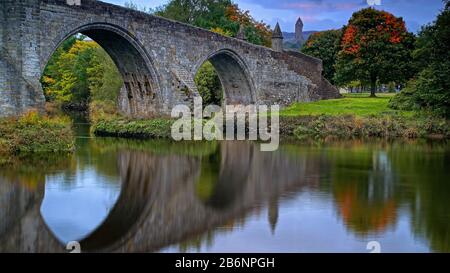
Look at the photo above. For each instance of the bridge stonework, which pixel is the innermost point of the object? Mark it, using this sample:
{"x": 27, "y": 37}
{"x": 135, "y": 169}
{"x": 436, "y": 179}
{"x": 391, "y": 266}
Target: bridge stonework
{"x": 157, "y": 58}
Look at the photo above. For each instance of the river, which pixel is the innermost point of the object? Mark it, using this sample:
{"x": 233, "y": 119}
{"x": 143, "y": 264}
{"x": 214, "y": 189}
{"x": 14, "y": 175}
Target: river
{"x": 118, "y": 195}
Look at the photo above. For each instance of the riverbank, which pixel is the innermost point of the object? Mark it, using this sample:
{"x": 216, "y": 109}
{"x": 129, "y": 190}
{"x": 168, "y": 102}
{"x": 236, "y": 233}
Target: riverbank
{"x": 358, "y": 115}
{"x": 355, "y": 115}
{"x": 34, "y": 133}
{"x": 107, "y": 122}
{"x": 351, "y": 126}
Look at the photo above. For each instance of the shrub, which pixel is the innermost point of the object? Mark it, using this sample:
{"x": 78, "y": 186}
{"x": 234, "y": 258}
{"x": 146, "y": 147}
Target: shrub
{"x": 122, "y": 127}
{"x": 430, "y": 90}
{"x": 34, "y": 133}
{"x": 102, "y": 110}
{"x": 405, "y": 99}
{"x": 209, "y": 85}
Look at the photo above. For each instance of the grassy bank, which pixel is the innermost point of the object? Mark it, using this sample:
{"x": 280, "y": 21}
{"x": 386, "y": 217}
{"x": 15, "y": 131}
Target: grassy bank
{"x": 123, "y": 127}
{"x": 350, "y": 104}
{"x": 107, "y": 122}
{"x": 355, "y": 115}
{"x": 383, "y": 126}
{"x": 358, "y": 115}
{"x": 34, "y": 133}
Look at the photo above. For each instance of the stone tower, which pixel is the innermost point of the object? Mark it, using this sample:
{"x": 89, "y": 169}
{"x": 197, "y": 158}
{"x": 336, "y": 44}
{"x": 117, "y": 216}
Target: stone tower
{"x": 299, "y": 30}
{"x": 277, "y": 39}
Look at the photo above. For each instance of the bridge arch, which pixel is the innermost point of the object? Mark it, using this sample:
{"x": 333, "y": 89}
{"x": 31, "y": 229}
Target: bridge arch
{"x": 234, "y": 75}
{"x": 141, "y": 81}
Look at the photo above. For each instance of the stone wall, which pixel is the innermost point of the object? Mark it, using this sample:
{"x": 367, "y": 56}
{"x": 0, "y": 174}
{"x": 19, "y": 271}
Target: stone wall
{"x": 20, "y": 88}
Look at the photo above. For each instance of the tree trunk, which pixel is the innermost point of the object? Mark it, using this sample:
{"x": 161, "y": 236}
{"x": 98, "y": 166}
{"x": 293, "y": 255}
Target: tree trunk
{"x": 373, "y": 88}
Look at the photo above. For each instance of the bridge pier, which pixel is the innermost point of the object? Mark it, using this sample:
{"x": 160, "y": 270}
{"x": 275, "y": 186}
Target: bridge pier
{"x": 20, "y": 88}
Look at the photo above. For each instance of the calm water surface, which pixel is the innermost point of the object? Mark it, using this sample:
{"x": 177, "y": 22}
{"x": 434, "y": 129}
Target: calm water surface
{"x": 160, "y": 196}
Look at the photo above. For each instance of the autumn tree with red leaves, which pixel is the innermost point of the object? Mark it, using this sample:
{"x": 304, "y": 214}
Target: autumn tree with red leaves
{"x": 375, "y": 48}
{"x": 256, "y": 32}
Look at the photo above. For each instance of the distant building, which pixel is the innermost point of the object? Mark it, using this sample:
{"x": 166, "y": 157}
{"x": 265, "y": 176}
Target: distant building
{"x": 277, "y": 39}
{"x": 299, "y": 31}
{"x": 298, "y": 38}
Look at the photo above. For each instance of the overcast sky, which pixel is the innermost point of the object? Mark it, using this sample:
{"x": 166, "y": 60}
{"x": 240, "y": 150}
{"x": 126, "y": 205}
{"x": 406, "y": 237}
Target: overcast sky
{"x": 324, "y": 14}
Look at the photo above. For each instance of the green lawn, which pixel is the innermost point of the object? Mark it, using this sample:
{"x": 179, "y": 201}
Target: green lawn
{"x": 355, "y": 104}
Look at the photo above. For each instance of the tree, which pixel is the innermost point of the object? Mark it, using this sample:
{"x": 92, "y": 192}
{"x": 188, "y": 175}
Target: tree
{"x": 217, "y": 14}
{"x": 375, "y": 48}
{"x": 208, "y": 84}
{"x": 80, "y": 70}
{"x": 105, "y": 80}
{"x": 325, "y": 46}
{"x": 202, "y": 13}
{"x": 430, "y": 89}
{"x": 257, "y": 33}
{"x": 52, "y": 73}
{"x": 65, "y": 78}
{"x": 79, "y": 59}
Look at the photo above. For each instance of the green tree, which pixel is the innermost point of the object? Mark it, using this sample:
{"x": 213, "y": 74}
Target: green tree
{"x": 65, "y": 78}
{"x": 105, "y": 80}
{"x": 202, "y": 13}
{"x": 80, "y": 59}
{"x": 375, "y": 49}
{"x": 208, "y": 84}
{"x": 325, "y": 46}
{"x": 430, "y": 89}
{"x": 213, "y": 14}
{"x": 52, "y": 73}
{"x": 80, "y": 70}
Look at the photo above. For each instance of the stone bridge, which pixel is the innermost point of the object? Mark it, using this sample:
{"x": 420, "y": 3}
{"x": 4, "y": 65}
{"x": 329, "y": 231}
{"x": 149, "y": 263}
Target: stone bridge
{"x": 157, "y": 58}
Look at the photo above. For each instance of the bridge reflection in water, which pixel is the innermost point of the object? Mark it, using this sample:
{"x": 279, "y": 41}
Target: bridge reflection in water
{"x": 182, "y": 194}
{"x": 164, "y": 198}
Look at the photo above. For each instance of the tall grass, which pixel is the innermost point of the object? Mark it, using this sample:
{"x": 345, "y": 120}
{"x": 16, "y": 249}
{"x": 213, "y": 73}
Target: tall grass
{"x": 35, "y": 133}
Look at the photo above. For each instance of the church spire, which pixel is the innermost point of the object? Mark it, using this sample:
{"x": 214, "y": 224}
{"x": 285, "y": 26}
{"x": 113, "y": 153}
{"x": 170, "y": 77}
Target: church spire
{"x": 277, "y": 32}
{"x": 277, "y": 39}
